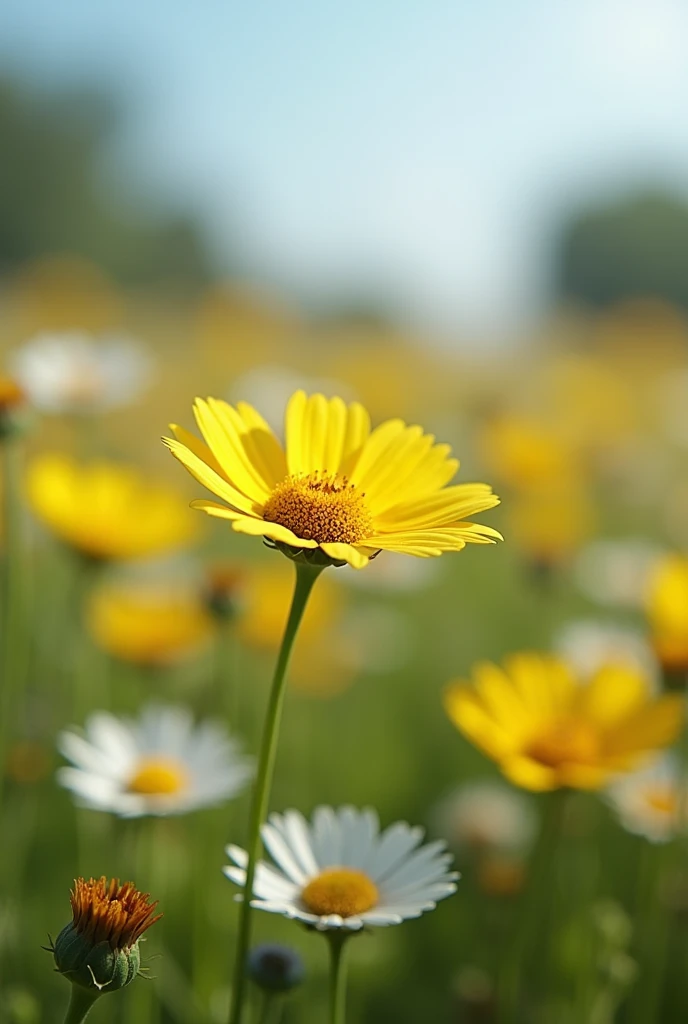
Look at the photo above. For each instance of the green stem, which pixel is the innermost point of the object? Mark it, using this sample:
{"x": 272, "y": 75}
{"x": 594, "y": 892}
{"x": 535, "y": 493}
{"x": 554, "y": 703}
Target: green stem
{"x": 306, "y": 576}
{"x": 80, "y": 1004}
{"x": 270, "y": 1008}
{"x": 654, "y": 927}
{"x": 655, "y": 921}
{"x": 531, "y": 909}
{"x": 14, "y": 655}
{"x": 337, "y": 977}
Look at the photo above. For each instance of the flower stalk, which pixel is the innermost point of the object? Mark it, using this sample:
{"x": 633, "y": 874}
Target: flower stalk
{"x": 14, "y": 588}
{"x": 337, "y": 942}
{"x": 306, "y": 575}
{"x": 80, "y": 1005}
{"x": 531, "y": 910}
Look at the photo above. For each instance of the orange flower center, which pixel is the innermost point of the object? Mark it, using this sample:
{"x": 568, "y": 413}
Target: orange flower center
{"x": 320, "y": 507}
{"x": 662, "y": 799}
{"x": 342, "y": 891}
{"x": 11, "y": 395}
{"x": 566, "y": 742}
{"x": 158, "y": 776}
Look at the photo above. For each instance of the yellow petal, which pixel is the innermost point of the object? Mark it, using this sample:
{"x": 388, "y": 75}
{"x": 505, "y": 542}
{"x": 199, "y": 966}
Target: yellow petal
{"x": 245, "y": 467}
{"x": 229, "y": 451}
{"x": 545, "y": 683}
{"x": 652, "y": 727}
{"x": 294, "y": 433}
{"x": 469, "y": 714}
{"x": 429, "y": 476}
{"x": 392, "y": 474}
{"x": 614, "y": 693}
{"x": 213, "y": 509}
{"x": 503, "y": 701}
{"x": 209, "y": 478}
{"x": 446, "y": 507}
{"x": 346, "y": 553}
{"x": 273, "y": 531}
{"x": 355, "y": 436}
{"x": 263, "y": 445}
{"x": 374, "y": 450}
{"x": 529, "y": 774}
{"x": 199, "y": 448}
{"x": 323, "y": 435}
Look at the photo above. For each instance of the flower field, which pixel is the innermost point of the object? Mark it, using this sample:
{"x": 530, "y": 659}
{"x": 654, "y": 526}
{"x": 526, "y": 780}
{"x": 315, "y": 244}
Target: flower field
{"x": 463, "y": 795}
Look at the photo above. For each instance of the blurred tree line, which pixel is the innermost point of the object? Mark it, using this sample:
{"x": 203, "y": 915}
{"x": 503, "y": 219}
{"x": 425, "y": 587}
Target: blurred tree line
{"x": 54, "y": 196}
{"x": 634, "y": 247}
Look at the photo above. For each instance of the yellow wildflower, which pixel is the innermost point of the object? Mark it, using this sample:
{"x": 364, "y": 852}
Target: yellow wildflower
{"x": 339, "y": 490}
{"x": 667, "y": 609}
{"x": 545, "y": 729}
{"x": 148, "y": 625}
{"x": 106, "y": 510}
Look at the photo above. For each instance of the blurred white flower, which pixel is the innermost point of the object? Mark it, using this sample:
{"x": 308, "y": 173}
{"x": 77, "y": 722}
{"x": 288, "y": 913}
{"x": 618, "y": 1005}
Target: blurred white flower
{"x": 588, "y": 644}
{"x": 616, "y": 572}
{"x": 160, "y": 764}
{"x": 648, "y": 802}
{"x": 73, "y": 372}
{"x": 395, "y": 573}
{"x": 486, "y": 814}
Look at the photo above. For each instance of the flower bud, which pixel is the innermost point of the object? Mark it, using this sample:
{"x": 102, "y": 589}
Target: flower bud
{"x": 99, "y": 948}
{"x": 275, "y": 968}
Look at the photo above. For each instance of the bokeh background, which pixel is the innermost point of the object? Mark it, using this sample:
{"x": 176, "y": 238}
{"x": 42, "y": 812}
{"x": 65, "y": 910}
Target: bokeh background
{"x": 474, "y": 217}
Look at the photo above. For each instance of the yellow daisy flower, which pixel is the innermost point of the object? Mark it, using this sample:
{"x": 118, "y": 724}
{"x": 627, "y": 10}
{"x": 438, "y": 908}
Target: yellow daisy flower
{"x": 339, "y": 489}
{"x": 106, "y": 510}
{"x": 148, "y": 624}
{"x": 545, "y": 729}
{"x": 667, "y": 609}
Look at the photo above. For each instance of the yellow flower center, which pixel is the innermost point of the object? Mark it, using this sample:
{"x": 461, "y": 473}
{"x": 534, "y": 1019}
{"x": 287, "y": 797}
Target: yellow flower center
{"x": 324, "y": 508}
{"x": 342, "y": 891}
{"x": 566, "y": 742}
{"x": 662, "y": 799}
{"x": 158, "y": 776}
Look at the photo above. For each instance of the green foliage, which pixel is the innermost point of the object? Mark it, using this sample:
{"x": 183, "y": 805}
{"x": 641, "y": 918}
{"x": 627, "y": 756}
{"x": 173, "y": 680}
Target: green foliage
{"x": 54, "y": 196}
{"x": 635, "y": 247}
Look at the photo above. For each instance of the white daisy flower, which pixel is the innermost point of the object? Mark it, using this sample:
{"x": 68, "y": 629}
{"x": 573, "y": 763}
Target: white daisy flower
{"x": 648, "y": 801}
{"x": 395, "y": 574}
{"x": 160, "y": 764}
{"x": 340, "y": 871}
{"x": 486, "y": 814}
{"x": 589, "y": 644}
{"x": 72, "y": 372}
{"x": 615, "y": 572}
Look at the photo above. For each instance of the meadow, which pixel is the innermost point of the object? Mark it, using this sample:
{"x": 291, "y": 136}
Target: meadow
{"x": 572, "y": 904}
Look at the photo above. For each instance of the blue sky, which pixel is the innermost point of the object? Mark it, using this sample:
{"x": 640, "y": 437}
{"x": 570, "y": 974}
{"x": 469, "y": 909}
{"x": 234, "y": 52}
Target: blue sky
{"x": 420, "y": 147}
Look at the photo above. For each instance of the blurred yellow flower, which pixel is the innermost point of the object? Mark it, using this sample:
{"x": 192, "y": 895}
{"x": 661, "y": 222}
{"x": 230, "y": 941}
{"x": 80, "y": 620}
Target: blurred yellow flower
{"x": 106, "y": 510}
{"x": 550, "y": 524}
{"x": 667, "y": 609}
{"x": 545, "y": 729}
{"x": 339, "y": 487}
{"x": 148, "y": 625}
{"x": 521, "y": 452}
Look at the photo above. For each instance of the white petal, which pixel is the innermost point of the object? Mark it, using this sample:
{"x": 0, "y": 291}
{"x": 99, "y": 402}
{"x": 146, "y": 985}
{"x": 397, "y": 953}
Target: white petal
{"x": 325, "y": 832}
{"x": 428, "y": 860}
{"x": 394, "y": 845}
{"x": 282, "y": 854}
{"x": 298, "y": 835}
